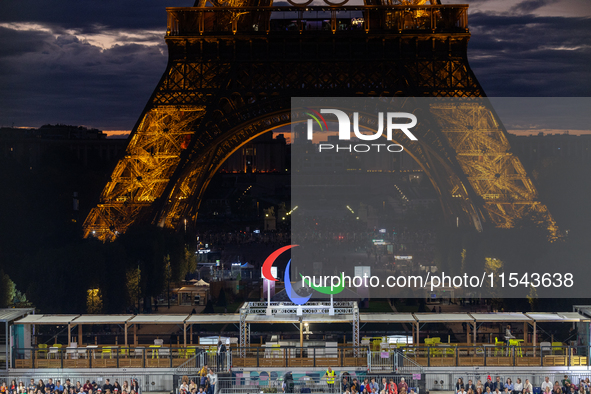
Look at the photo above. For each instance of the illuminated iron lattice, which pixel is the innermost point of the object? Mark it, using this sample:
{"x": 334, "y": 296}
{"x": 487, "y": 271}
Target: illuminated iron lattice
{"x": 233, "y": 68}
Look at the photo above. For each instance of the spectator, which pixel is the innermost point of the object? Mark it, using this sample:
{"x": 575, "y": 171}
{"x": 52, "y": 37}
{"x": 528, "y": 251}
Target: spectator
{"x": 509, "y": 384}
{"x": 58, "y": 387}
{"x": 203, "y": 375}
{"x": 192, "y": 386}
{"x": 363, "y": 385}
{"x": 546, "y": 384}
{"x": 402, "y": 385}
{"x": 87, "y": 386}
{"x": 354, "y": 385}
{"x": 498, "y": 385}
{"x": 40, "y": 386}
{"x": 479, "y": 390}
{"x": 518, "y": 386}
{"x": 135, "y": 387}
{"x": 12, "y": 387}
{"x": 384, "y": 386}
{"x": 117, "y": 386}
{"x": 212, "y": 377}
{"x": 373, "y": 386}
{"x": 22, "y": 389}
{"x": 221, "y": 356}
{"x": 471, "y": 386}
{"x": 32, "y": 388}
{"x": 392, "y": 387}
{"x": 527, "y": 387}
{"x": 50, "y": 385}
{"x": 207, "y": 387}
{"x": 107, "y": 386}
{"x": 489, "y": 383}
{"x": 479, "y": 385}
{"x": 461, "y": 390}
{"x": 565, "y": 381}
{"x": 345, "y": 386}
{"x": 459, "y": 385}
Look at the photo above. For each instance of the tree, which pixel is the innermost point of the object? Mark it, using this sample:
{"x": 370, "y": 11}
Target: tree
{"x": 532, "y": 298}
{"x": 94, "y": 301}
{"x": 190, "y": 261}
{"x": 133, "y": 284}
{"x": 7, "y": 290}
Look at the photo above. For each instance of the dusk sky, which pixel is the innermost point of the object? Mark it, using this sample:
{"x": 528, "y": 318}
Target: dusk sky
{"x": 95, "y": 63}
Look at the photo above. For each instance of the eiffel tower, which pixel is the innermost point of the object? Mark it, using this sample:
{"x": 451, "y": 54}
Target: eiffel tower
{"x": 234, "y": 66}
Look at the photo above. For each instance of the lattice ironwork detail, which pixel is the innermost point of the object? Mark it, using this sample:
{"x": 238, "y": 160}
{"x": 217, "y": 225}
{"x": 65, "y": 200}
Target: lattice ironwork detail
{"x": 231, "y": 75}
{"x": 495, "y": 174}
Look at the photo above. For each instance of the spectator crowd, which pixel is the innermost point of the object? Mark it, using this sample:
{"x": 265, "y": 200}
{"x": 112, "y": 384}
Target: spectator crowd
{"x": 564, "y": 386}
{"x": 205, "y": 384}
{"x": 69, "y": 387}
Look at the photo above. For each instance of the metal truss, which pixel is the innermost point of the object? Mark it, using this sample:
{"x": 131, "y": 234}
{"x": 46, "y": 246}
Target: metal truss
{"x": 140, "y": 177}
{"x": 244, "y": 331}
{"x": 494, "y": 173}
{"x": 310, "y": 308}
{"x": 349, "y": 308}
{"x": 231, "y": 76}
{"x": 356, "y": 329}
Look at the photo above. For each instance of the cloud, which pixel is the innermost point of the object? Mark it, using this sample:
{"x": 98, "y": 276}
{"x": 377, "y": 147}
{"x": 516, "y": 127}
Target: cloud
{"x": 525, "y": 55}
{"x": 90, "y": 16}
{"x": 54, "y": 76}
{"x": 528, "y": 6}
{"x": 93, "y": 63}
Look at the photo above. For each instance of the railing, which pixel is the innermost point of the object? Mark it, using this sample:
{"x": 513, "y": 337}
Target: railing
{"x": 316, "y": 307}
{"x": 119, "y": 357}
{"x": 246, "y": 385}
{"x": 392, "y": 361}
{"x": 298, "y": 20}
{"x": 407, "y": 359}
{"x": 450, "y": 355}
{"x": 292, "y": 357}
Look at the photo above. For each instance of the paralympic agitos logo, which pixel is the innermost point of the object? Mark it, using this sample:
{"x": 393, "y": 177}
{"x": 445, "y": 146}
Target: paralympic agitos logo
{"x": 291, "y": 293}
{"x": 345, "y": 130}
